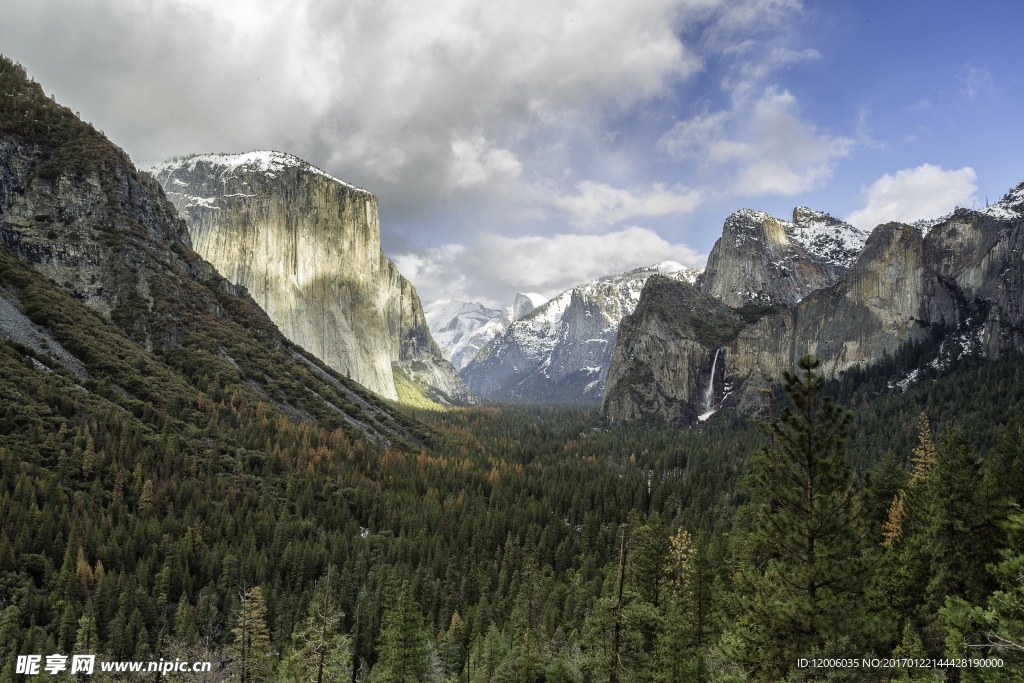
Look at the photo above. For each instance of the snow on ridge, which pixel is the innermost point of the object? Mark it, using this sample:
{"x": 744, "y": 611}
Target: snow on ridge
{"x": 269, "y": 162}
{"x": 1009, "y": 207}
{"x": 535, "y": 298}
{"x": 825, "y": 236}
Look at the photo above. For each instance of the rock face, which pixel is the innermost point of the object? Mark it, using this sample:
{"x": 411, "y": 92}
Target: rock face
{"x": 75, "y": 210}
{"x": 763, "y": 259}
{"x": 560, "y": 352}
{"x": 306, "y": 246}
{"x": 669, "y": 361}
{"x": 961, "y": 280}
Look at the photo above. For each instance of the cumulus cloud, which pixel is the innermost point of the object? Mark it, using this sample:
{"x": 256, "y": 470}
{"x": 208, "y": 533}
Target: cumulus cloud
{"x": 766, "y": 148}
{"x": 497, "y": 266}
{"x": 385, "y": 90}
{"x": 927, "y": 191}
{"x": 597, "y": 205}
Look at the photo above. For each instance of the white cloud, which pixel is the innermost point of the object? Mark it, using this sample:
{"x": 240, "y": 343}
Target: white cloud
{"x": 927, "y": 191}
{"x": 765, "y": 148}
{"x": 598, "y": 205}
{"x": 477, "y": 163}
{"x": 498, "y": 266}
{"x": 692, "y": 137}
{"x": 383, "y": 90}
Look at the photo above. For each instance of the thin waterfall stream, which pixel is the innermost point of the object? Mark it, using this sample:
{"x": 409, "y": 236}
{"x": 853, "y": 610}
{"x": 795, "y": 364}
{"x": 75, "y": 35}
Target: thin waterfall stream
{"x": 709, "y": 393}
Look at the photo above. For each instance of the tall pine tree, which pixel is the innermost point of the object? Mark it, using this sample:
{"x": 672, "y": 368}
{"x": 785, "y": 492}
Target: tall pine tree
{"x": 802, "y": 581}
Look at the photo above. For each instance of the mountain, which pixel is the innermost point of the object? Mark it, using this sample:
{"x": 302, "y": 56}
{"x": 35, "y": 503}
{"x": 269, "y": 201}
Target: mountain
{"x": 104, "y": 301}
{"x": 955, "y": 289}
{"x": 462, "y": 329}
{"x": 306, "y": 246}
{"x": 764, "y": 259}
{"x": 560, "y": 351}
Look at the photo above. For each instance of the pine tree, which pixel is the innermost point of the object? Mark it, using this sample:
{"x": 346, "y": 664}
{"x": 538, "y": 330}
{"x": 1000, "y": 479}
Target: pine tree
{"x": 250, "y": 650}
{"x": 322, "y": 653}
{"x": 802, "y": 582}
{"x": 961, "y": 534}
{"x": 403, "y": 645}
{"x": 997, "y": 628}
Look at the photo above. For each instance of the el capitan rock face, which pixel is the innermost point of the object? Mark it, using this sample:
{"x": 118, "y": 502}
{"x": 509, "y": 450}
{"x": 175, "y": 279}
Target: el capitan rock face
{"x": 306, "y": 246}
{"x": 99, "y": 274}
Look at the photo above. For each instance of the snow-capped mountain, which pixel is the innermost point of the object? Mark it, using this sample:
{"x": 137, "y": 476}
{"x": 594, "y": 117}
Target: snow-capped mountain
{"x": 561, "y": 350}
{"x": 461, "y": 329}
{"x": 767, "y": 260}
{"x": 948, "y": 285}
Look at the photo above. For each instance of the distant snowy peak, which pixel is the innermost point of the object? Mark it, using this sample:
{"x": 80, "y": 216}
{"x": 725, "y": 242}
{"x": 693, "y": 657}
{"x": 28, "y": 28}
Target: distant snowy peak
{"x": 560, "y": 351}
{"x": 672, "y": 269}
{"x": 461, "y": 329}
{"x": 265, "y": 162}
{"x": 522, "y": 306}
{"x": 618, "y": 294}
{"x": 816, "y": 232}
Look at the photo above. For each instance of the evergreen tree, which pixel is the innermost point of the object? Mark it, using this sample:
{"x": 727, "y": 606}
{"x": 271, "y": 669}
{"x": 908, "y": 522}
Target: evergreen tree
{"x": 803, "y": 579}
{"x": 997, "y": 628}
{"x": 250, "y": 650}
{"x": 961, "y": 534}
{"x": 403, "y": 644}
{"x": 321, "y": 651}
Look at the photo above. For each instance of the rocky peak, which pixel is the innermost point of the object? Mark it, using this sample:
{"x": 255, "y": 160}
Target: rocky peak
{"x": 522, "y": 306}
{"x": 1010, "y": 207}
{"x": 763, "y": 259}
{"x": 561, "y": 350}
{"x": 461, "y": 329}
{"x": 307, "y": 247}
{"x": 826, "y": 237}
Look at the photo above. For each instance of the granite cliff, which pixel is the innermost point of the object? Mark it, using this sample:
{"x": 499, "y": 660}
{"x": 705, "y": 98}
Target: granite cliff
{"x": 957, "y": 282}
{"x": 306, "y": 246}
{"x": 763, "y": 259}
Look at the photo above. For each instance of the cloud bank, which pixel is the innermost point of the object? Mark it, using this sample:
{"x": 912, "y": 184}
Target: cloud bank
{"x": 497, "y": 265}
{"x": 927, "y": 191}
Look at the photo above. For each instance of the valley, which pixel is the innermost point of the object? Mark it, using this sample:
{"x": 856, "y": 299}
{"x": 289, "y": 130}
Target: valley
{"x": 230, "y": 432}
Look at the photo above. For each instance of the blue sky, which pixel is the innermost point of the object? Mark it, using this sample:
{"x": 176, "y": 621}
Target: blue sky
{"x": 530, "y": 146}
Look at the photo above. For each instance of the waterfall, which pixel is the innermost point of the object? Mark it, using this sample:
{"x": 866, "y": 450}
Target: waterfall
{"x": 709, "y": 393}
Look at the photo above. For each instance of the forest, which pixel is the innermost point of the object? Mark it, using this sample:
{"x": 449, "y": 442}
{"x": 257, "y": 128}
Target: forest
{"x": 514, "y": 543}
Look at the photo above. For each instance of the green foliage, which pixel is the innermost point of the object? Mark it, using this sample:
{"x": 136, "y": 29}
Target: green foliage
{"x": 803, "y": 583}
{"x": 995, "y": 629}
{"x": 403, "y": 642}
{"x": 250, "y": 647}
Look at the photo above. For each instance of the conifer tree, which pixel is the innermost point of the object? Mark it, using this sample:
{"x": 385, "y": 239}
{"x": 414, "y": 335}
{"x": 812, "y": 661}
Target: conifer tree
{"x": 961, "y": 534}
{"x": 803, "y": 579}
{"x": 995, "y": 629}
{"x": 322, "y": 653}
{"x": 403, "y": 645}
{"x": 250, "y": 649}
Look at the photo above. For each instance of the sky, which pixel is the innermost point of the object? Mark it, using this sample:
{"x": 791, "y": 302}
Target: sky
{"x": 533, "y": 145}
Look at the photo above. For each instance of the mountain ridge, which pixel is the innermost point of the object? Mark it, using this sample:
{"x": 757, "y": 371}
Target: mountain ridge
{"x": 957, "y": 279}
{"x": 559, "y": 351}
